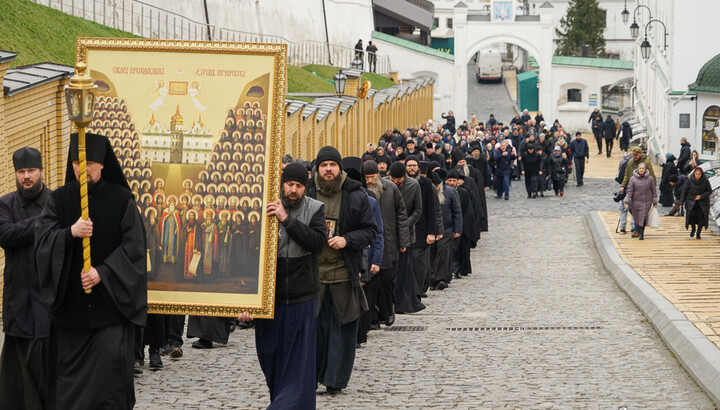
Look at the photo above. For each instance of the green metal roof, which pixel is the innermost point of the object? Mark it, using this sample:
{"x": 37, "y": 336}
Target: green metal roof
{"x": 593, "y": 62}
{"x": 708, "y": 79}
{"x": 412, "y": 46}
{"x": 526, "y": 75}
{"x": 532, "y": 62}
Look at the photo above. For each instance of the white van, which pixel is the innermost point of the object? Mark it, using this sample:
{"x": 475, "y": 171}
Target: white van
{"x": 489, "y": 66}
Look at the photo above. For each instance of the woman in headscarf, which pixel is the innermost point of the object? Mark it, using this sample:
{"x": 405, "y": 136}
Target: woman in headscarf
{"x": 696, "y": 197}
{"x": 641, "y": 196}
{"x": 666, "y": 190}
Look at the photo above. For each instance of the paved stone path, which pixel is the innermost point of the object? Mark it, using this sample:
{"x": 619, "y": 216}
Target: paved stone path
{"x": 537, "y": 268}
{"x": 487, "y": 98}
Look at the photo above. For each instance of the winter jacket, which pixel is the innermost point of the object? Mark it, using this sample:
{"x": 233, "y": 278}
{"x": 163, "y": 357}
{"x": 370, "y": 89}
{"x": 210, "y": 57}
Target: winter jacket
{"x": 641, "y": 196}
{"x": 579, "y": 148}
{"x": 609, "y": 129}
{"x": 300, "y": 239}
{"x": 410, "y": 191}
{"x": 374, "y": 251}
{"x": 632, "y": 165}
{"x": 395, "y": 228}
{"x": 356, "y": 224}
{"x": 694, "y": 187}
{"x": 558, "y": 167}
{"x": 679, "y": 186}
{"x": 452, "y": 214}
{"x": 597, "y": 127}
{"x": 531, "y": 164}
{"x": 503, "y": 163}
{"x": 684, "y": 156}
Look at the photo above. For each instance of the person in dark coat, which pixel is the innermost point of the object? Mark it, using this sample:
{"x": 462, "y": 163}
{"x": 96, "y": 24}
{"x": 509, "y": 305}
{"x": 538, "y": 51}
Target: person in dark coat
{"x": 641, "y": 196}
{"x": 696, "y": 197}
{"x": 449, "y": 122}
{"x": 396, "y": 241}
{"x": 441, "y": 273}
{"x": 626, "y": 131}
{"x": 684, "y": 156}
{"x": 678, "y": 182}
{"x": 23, "y": 361}
{"x": 557, "y": 168}
{"x": 95, "y": 331}
{"x": 351, "y": 228}
{"x": 461, "y": 265}
{"x": 666, "y": 190}
{"x": 609, "y": 133}
{"x": 286, "y": 344}
{"x": 597, "y": 129}
{"x": 531, "y": 171}
{"x": 504, "y": 158}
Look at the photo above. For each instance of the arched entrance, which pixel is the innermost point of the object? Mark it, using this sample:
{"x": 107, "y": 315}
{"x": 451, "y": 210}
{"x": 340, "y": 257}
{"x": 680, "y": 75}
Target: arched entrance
{"x": 475, "y": 32}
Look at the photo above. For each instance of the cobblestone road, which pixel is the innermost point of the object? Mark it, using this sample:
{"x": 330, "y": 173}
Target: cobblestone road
{"x": 487, "y": 98}
{"x": 536, "y": 268}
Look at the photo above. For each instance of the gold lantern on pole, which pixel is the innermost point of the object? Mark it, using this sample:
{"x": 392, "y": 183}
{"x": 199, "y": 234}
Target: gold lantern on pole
{"x": 80, "y": 98}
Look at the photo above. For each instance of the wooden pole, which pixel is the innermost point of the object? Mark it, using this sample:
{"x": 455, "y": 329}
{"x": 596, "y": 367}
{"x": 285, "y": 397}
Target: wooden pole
{"x": 84, "y": 210}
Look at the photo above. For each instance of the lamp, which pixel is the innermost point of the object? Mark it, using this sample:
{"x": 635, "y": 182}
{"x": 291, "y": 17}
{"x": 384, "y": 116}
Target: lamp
{"x": 634, "y": 29}
{"x": 357, "y": 63}
{"x": 625, "y": 14}
{"x": 645, "y": 49}
{"x": 80, "y": 99}
{"x": 340, "y": 80}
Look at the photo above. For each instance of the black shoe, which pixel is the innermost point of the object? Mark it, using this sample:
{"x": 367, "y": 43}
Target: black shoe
{"x": 423, "y": 295}
{"x": 529, "y": 196}
{"x": 333, "y": 391}
{"x": 165, "y": 350}
{"x": 641, "y": 230}
{"x": 457, "y": 275}
{"x": 506, "y": 198}
{"x": 390, "y": 320}
{"x": 232, "y": 325}
{"x": 542, "y": 194}
{"x": 155, "y": 361}
{"x": 245, "y": 325}
{"x": 442, "y": 285}
{"x": 375, "y": 326}
{"x": 137, "y": 369}
{"x": 202, "y": 344}
{"x": 176, "y": 352}
{"x": 692, "y": 232}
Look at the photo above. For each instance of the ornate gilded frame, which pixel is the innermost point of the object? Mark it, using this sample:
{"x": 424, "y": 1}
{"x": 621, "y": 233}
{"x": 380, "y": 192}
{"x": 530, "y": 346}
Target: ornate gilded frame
{"x": 229, "y": 304}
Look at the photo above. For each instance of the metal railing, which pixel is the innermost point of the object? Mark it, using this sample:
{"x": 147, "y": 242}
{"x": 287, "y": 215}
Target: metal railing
{"x": 146, "y": 20}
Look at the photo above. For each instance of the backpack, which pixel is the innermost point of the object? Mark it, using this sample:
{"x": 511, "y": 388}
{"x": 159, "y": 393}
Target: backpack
{"x": 621, "y": 169}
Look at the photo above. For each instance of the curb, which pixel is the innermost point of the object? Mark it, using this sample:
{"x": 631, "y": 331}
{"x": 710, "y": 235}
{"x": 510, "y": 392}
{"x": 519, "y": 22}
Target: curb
{"x": 698, "y": 355}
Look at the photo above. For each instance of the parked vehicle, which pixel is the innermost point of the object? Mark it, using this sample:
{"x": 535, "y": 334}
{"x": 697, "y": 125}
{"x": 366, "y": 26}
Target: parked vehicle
{"x": 489, "y": 66}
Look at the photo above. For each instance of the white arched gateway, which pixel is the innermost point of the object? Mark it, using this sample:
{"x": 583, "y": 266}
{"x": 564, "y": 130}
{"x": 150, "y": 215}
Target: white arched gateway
{"x": 473, "y": 32}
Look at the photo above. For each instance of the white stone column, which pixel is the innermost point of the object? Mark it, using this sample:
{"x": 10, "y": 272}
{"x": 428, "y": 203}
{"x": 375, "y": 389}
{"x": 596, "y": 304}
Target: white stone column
{"x": 547, "y": 49}
{"x": 460, "y": 80}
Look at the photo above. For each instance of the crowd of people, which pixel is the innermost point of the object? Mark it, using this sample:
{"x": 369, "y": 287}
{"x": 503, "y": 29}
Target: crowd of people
{"x": 361, "y": 240}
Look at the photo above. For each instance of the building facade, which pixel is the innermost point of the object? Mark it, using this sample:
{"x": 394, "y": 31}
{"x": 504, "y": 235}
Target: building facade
{"x": 177, "y": 145}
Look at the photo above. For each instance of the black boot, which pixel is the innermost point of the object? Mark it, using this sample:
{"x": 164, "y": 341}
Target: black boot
{"x": 692, "y": 232}
{"x": 155, "y": 360}
{"x": 641, "y": 231}
{"x": 699, "y": 229}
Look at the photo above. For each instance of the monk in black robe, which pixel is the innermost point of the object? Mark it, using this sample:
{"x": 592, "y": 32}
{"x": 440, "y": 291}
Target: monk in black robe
{"x": 91, "y": 339}
{"x": 461, "y": 265}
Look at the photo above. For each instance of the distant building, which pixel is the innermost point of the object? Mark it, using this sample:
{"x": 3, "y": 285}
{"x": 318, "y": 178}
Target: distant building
{"x": 176, "y": 145}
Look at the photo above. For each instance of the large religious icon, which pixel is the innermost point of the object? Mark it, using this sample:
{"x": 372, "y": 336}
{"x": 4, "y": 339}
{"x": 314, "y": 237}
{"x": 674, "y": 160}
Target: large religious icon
{"x": 197, "y": 127}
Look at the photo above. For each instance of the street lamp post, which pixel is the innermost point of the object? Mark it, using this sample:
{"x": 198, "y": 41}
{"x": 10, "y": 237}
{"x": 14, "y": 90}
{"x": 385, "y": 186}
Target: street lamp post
{"x": 625, "y": 14}
{"x": 80, "y": 98}
{"x": 646, "y": 46}
{"x": 634, "y": 27}
{"x": 340, "y": 80}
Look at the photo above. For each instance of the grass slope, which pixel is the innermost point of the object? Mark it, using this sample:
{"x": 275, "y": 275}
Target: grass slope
{"x": 39, "y": 34}
{"x": 378, "y": 82}
{"x": 303, "y": 81}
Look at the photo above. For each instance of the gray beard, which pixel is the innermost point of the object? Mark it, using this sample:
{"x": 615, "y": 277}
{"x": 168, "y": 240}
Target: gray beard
{"x": 441, "y": 195}
{"x": 30, "y": 193}
{"x": 376, "y": 188}
{"x": 332, "y": 186}
{"x": 466, "y": 168}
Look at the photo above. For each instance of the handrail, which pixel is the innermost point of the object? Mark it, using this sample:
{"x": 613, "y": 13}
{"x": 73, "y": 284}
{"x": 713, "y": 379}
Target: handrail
{"x": 149, "y": 21}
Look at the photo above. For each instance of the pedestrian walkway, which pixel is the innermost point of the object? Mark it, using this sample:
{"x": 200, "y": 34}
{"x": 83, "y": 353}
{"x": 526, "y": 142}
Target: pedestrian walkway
{"x": 538, "y": 324}
{"x": 600, "y": 166}
{"x": 684, "y": 270}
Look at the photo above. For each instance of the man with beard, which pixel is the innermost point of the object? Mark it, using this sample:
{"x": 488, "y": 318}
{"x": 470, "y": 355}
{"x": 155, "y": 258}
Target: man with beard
{"x": 23, "y": 361}
{"x": 351, "y": 229}
{"x": 441, "y": 273}
{"x": 475, "y": 185}
{"x": 462, "y": 245}
{"x": 479, "y": 162}
{"x": 426, "y": 227}
{"x": 407, "y": 291}
{"x": 92, "y": 331}
{"x": 382, "y": 165}
{"x": 286, "y": 344}
{"x": 396, "y": 240}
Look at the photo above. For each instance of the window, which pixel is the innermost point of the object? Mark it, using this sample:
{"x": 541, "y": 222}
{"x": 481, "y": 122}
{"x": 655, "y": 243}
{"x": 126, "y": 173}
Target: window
{"x": 449, "y": 23}
{"x": 436, "y": 22}
{"x": 604, "y": 18}
{"x": 574, "y": 95}
{"x": 710, "y": 124}
{"x": 684, "y": 121}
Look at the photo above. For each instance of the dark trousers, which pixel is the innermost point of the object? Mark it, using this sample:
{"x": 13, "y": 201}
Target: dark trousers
{"x": 422, "y": 266}
{"x": 441, "y": 262}
{"x": 152, "y": 335}
{"x": 175, "y": 326}
{"x": 335, "y": 347}
{"x": 579, "y": 169}
{"x": 558, "y": 185}
{"x": 461, "y": 256}
{"x": 608, "y": 146}
{"x": 530, "y": 183}
{"x": 599, "y": 140}
{"x": 286, "y": 351}
{"x": 23, "y": 373}
{"x": 386, "y": 292}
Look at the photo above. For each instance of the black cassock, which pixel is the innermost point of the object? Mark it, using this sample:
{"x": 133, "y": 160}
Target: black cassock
{"x": 470, "y": 235}
{"x": 482, "y": 180}
{"x": 91, "y": 339}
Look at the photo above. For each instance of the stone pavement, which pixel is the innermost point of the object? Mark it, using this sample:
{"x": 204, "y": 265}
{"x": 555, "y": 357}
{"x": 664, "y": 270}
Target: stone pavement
{"x": 543, "y": 326}
{"x": 487, "y": 98}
